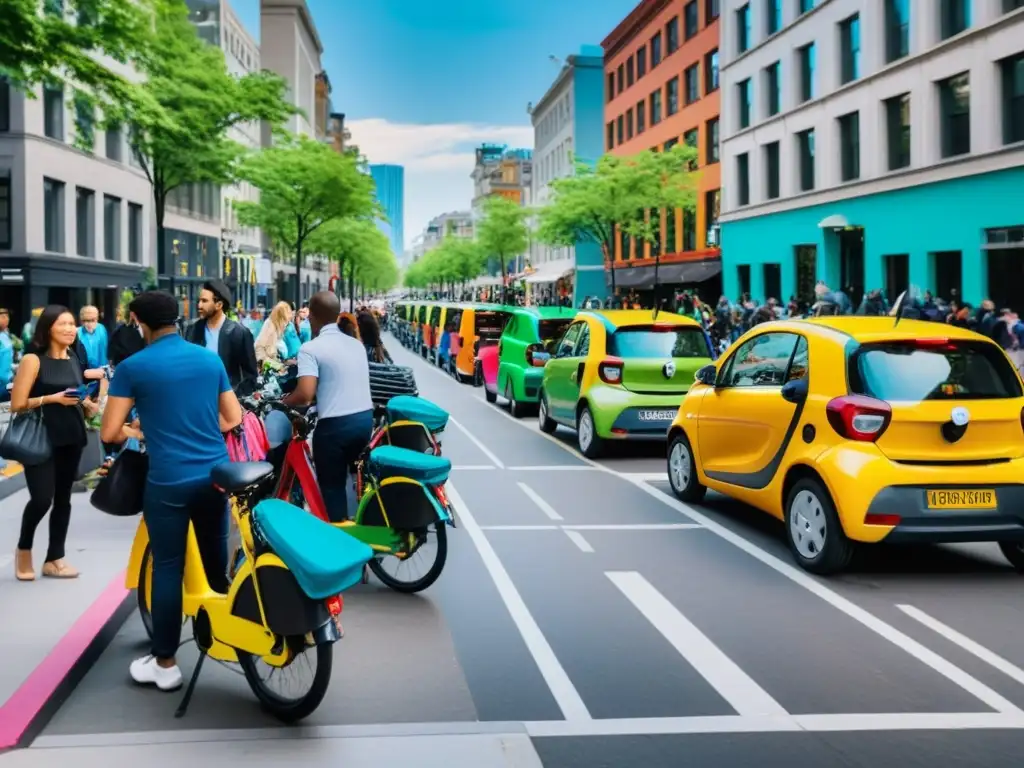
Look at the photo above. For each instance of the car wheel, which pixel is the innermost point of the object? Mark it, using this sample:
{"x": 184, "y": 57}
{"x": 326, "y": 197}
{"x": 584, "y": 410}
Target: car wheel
{"x": 515, "y": 408}
{"x": 1014, "y": 552}
{"x": 682, "y": 470}
{"x": 547, "y": 424}
{"x": 813, "y": 530}
{"x": 590, "y": 443}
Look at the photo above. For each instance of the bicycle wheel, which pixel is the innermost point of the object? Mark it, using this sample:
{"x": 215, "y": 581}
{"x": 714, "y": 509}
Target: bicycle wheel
{"x": 397, "y": 581}
{"x": 142, "y": 594}
{"x": 285, "y": 707}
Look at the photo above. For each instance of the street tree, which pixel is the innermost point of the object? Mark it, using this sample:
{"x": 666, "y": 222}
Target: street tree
{"x": 617, "y": 196}
{"x": 304, "y": 185}
{"x": 503, "y": 233}
{"x": 178, "y": 133}
{"x": 362, "y": 252}
{"x": 87, "y": 44}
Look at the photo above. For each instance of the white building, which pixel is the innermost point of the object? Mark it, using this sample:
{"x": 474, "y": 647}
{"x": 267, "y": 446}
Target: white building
{"x": 849, "y": 127}
{"x": 76, "y": 222}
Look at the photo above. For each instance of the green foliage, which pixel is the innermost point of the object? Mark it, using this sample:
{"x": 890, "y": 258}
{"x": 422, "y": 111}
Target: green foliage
{"x": 454, "y": 260}
{"x": 362, "y": 251}
{"x": 71, "y": 46}
{"x": 502, "y": 233}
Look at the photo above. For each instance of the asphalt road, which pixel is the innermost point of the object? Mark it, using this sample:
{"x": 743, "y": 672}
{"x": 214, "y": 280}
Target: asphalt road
{"x": 585, "y": 607}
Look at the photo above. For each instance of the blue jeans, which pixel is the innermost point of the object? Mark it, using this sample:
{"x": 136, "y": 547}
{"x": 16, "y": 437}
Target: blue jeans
{"x": 167, "y": 510}
{"x": 337, "y": 443}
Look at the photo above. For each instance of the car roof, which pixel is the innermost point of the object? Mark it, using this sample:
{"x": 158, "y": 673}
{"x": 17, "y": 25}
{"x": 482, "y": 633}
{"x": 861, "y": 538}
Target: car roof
{"x": 624, "y": 318}
{"x": 546, "y": 313}
{"x": 873, "y": 329}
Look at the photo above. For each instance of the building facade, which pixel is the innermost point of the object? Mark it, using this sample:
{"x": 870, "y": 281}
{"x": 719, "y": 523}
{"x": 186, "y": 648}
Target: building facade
{"x": 661, "y": 88}
{"x": 76, "y": 221}
{"x": 874, "y": 146}
{"x": 502, "y": 172}
{"x": 291, "y": 47}
{"x": 390, "y": 181}
{"x": 567, "y": 129}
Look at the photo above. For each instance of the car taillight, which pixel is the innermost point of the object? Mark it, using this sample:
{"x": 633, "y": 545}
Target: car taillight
{"x": 856, "y": 417}
{"x": 610, "y": 370}
{"x": 334, "y": 605}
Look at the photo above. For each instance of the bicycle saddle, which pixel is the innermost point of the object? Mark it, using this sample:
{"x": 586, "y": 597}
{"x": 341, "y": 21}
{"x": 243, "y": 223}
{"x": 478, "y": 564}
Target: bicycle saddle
{"x": 391, "y": 461}
{"x": 235, "y": 476}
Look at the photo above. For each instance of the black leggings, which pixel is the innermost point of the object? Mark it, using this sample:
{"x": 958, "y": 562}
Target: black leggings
{"x": 49, "y": 484}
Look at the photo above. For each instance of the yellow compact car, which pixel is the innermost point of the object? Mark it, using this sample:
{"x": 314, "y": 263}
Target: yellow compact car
{"x": 860, "y": 429}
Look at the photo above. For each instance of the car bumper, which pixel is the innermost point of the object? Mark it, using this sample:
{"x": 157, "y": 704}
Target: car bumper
{"x": 864, "y": 483}
{"x": 622, "y": 415}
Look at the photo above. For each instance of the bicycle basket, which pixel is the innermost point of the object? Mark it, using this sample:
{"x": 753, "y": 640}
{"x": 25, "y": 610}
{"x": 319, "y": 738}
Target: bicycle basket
{"x": 388, "y": 381}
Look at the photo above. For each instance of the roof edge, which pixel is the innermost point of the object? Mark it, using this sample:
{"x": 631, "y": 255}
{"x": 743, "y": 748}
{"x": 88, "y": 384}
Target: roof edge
{"x": 630, "y": 26}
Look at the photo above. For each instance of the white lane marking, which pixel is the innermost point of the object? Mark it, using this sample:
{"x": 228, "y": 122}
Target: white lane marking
{"x": 628, "y": 527}
{"x": 991, "y": 658}
{"x": 520, "y": 528}
{"x": 722, "y": 673}
{"x": 563, "y": 468}
{"x": 544, "y": 507}
{"x": 577, "y": 538}
{"x": 881, "y": 628}
{"x": 551, "y": 669}
{"x": 644, "y": 476}
{"x": 476, "y": 441}
{"x": 472, "y": 467}
{"x": 901, "y": 640}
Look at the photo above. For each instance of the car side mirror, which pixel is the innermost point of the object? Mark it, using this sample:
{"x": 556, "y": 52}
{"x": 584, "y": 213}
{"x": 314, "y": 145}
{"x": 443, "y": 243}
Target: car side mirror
{"x": 707, "y": 375}
{"x": 795, "y": 391}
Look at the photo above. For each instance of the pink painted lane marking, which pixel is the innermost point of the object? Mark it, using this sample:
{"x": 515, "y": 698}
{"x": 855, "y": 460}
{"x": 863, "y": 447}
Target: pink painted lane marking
{"x": 18, "y": 712}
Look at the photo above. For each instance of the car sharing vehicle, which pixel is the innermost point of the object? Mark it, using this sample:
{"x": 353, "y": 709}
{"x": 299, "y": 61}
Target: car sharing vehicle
{"x": 860, "y": 429}
{"x": 620, "y": 375}
{"x": 529, "y": 331}
{"x": 480, "y": 328}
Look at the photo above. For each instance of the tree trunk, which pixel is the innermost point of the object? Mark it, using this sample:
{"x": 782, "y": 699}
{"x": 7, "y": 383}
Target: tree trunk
{"x": 339, "y": 286}
{"x": 298, "y": 262}
{"x": 160, "y": 209}
{"x": 352, "y": 287}
{"x": 607, "y": 252}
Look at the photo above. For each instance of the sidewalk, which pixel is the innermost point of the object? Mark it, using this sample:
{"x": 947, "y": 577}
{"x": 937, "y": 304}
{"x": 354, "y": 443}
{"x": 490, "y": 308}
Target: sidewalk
{"x": 54, "y": 629}
{"x": 12, "y": 477}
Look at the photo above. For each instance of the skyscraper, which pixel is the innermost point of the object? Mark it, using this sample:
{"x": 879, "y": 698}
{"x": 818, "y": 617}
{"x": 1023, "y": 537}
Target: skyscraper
{"x": 390, "y": 181}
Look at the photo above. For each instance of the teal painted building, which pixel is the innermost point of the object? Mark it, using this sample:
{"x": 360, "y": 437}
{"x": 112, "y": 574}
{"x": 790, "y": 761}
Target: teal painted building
{"x": 963, "y": 235}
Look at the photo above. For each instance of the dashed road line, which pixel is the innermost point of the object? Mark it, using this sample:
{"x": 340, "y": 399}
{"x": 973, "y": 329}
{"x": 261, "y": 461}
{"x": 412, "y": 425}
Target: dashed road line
{"x": 577, "y": 538}
{"x": 542, "y": 505}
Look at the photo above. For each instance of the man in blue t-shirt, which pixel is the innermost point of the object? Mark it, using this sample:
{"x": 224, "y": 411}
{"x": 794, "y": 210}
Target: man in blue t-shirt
{"x": 184, "y": 402}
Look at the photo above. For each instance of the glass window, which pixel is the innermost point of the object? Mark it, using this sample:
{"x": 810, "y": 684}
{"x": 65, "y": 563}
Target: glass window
{"x": 1012, "y": 5}
{"x": 711, "y": 10}
{"x": 53, "y": 111}
{"x": 620, "y": 129}
{"x": 805, "y": 5}
{"x": 610, "y": 87}
{"x": 773, "y": 89}
{"x": 956, "y": 17}
{"x": 1013, "y": 98}
{"x": 670, "y": 143}
{"x": 629, "y": 123}
{"x": 84, "y": 122}
{"x": 763, "y": 361}
{"x": 690, "y": 14}
{"x": 114, "y": 141}
{"x": 897, "y": 29}
{"x": 771, "y": 169}
{"x": 689, "y": 229}
{"x": 672, "y": 96}
{"x": 743, "y": 179}
{"x": 805, "y": 150}
{"x": 567, "y": 345}
{"x": 711, "y": 72}
{"x": 656, "y": 50}
{"x": 583, "y": 343}
{"x": 692, "y": 78}
{"x": 897, "y": 120}
{"x": 712, "y": 138}
{"x": 914, "y": 371}
{"x": 630, "y": 74}
{"x": 111, "y": 228}
{"x": 849, "y": 145}
{"x": 743, "y": 28}
{"x": 620, "y": 78}
{"x": 5, "y": 209}
{"x": 672, "y": 35}
{"x": 849, "y": 49}
{"x": 610, "y": 135}
{"x": 85, "y": 212}
{"x": 135, "y": 224}
{"x": 743, "y": 89}
{"x": 653, "y": 341}
{"x": 5, "y": 105}
{"x": 53, "y": 215}
{"x": 656, "y": 107}
{"x": 641, "y": 61}
{"x": 773, "y": 16}
{"x": 806, "y": 56}
{"x": 641, "y": 117}
{"x": 955, "y": 98}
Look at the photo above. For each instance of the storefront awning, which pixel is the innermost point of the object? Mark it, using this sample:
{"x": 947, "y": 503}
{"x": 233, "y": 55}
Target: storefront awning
{"x": 642, "y": 278}
{"x": 551, "y": 271}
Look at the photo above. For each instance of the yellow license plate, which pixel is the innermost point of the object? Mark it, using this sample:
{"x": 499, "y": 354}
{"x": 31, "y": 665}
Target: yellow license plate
{"x": 962, "y": 499}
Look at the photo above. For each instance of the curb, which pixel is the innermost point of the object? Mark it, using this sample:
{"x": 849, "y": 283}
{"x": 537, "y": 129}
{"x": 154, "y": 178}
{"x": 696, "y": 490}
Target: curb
{"x": 11, "y": 484}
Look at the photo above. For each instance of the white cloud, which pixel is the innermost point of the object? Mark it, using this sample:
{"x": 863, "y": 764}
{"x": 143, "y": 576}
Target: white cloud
{"x": 438, "y": 160}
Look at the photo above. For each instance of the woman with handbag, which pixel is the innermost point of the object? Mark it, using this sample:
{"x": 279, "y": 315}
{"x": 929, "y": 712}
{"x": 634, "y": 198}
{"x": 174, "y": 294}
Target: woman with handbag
{"x": 45, "y": 391}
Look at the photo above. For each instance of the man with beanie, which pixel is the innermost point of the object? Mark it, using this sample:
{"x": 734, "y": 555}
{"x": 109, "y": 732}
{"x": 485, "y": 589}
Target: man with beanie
{"x": 217, "y": 332}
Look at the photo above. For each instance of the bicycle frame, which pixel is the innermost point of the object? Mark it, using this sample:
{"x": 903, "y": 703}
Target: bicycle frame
{"x": 298, "y": 465}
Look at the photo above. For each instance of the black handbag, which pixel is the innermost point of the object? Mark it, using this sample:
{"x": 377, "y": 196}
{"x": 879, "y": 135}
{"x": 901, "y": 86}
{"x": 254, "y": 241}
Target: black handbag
{"x": 120, "y": 492}
{"x": 26, "y": 440}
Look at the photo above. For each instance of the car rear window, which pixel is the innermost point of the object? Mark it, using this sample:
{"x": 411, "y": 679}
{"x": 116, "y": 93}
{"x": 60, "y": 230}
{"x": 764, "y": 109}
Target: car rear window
{"x": 489, "y": 325}
{"x": 913, "y": 371}
{"x": 651, "y": 341}
{"x": 551, "y": 330}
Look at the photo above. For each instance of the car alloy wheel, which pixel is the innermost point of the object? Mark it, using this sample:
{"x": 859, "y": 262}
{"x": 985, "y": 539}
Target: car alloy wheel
{"x": 679, "y": 467}
{"x": 585, "y": 430}
{"x": 808, "y": 525}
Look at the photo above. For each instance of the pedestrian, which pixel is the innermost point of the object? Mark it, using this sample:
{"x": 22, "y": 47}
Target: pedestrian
{"x": 347, "y": 324}
{"x": 93, "y": 337}
{"x": 229, "y": 339}
{"x": 6, "y": 355}
{"x": 46, "y": 378}
{"x": 270, "y": 344}
{"x": 334, "y": 371}
{"x": 369, "y": 334}
{"x": 185, "y": 403}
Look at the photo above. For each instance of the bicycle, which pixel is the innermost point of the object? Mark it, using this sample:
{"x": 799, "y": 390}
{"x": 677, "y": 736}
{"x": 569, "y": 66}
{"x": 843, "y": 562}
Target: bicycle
{"x": 284, "y": 599}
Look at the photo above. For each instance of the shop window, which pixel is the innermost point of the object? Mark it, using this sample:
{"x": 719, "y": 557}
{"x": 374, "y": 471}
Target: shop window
{"x": 772, "y": 277}
{"x": 743, "y": 278}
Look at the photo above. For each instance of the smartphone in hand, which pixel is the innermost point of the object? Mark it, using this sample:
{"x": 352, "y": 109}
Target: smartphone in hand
{"x": 80, "y": 392}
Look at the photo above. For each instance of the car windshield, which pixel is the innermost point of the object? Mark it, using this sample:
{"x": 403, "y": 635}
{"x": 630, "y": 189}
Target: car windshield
{"x": 917, "y": 370}
{"x": 552, "y": 330}
{"x": 654, "y": 341}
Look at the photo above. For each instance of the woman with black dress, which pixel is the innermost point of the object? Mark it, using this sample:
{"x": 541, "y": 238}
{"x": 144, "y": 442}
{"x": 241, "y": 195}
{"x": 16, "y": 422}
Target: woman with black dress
{"x": 46, "y": 378}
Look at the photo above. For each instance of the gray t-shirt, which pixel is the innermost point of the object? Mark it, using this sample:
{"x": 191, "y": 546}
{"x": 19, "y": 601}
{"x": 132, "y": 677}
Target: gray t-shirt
{"x": 343, "y": 374}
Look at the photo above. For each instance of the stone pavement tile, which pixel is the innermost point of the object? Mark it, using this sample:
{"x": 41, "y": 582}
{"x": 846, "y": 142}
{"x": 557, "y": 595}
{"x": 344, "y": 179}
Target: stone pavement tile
{"x": 440, "y": 751}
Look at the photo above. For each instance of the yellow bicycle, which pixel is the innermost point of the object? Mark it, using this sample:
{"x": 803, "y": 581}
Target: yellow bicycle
{"x": 284, "y": 600}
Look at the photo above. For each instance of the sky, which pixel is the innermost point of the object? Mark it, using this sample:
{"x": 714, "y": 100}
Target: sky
{"x": 423, "y": 82}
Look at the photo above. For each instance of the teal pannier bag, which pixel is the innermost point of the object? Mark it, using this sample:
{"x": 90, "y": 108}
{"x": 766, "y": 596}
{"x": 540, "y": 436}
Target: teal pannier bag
{"x": 408, "y": 408}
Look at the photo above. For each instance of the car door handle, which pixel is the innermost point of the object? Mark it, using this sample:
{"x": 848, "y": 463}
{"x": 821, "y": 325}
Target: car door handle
{"x": 572, "y": 376}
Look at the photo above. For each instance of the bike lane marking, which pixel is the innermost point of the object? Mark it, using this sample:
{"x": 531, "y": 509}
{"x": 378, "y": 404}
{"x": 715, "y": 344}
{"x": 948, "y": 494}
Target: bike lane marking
{"x": 577, "y": 538}
{"x": 542, "y": 505}
{"x": 476, "y": 441}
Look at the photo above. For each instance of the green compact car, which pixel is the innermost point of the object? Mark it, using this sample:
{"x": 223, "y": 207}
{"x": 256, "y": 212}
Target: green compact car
{"x": 529, "y": 331}
{"x": 620, "y": 375}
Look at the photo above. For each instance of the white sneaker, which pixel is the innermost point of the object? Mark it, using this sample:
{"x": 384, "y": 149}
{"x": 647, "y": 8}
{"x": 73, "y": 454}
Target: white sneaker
{"x": 146, "y": 671}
